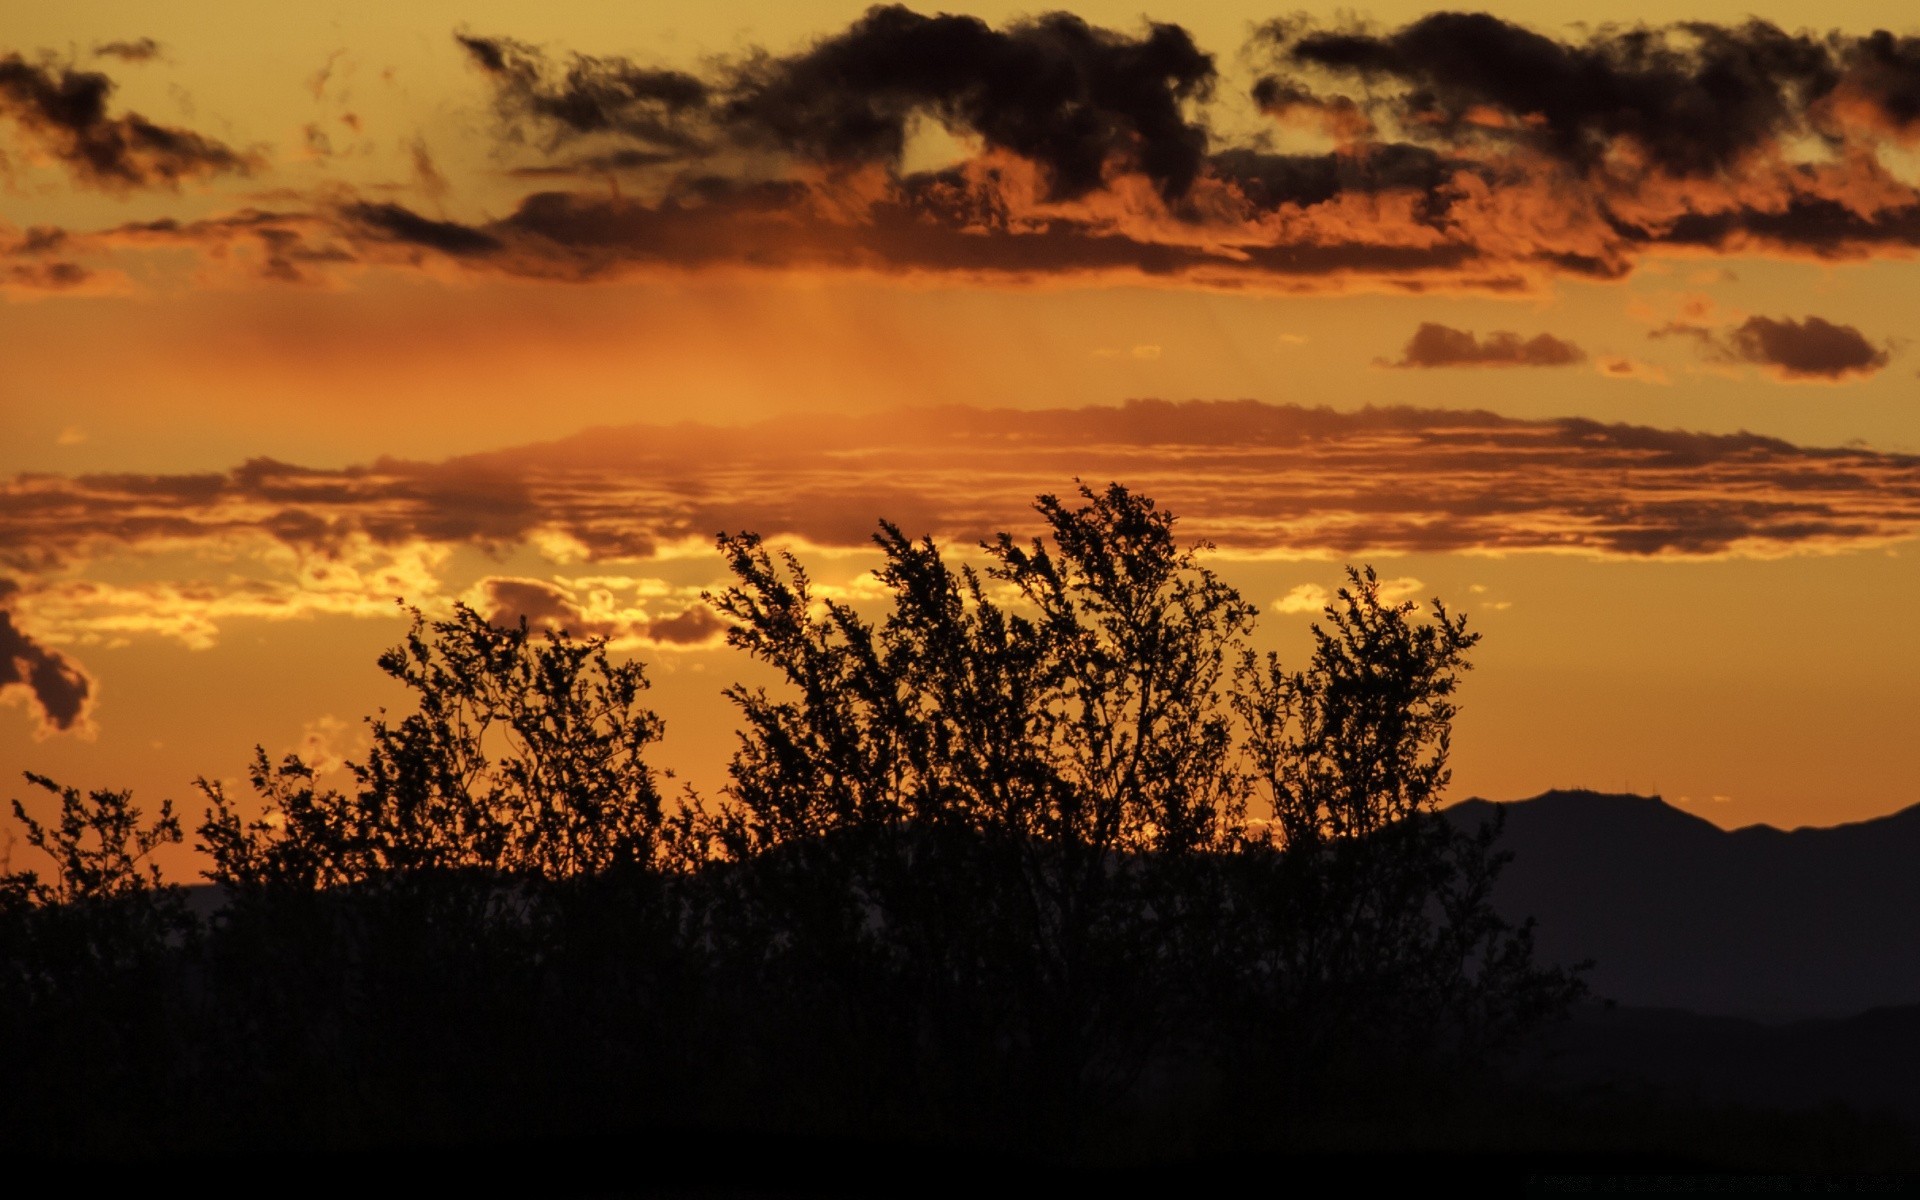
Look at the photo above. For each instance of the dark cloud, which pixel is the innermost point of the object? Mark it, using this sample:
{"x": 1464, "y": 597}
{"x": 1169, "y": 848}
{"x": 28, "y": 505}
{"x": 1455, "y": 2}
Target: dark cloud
{"x": 135, "y": 50}
{"x": 55, "y": 276}
{"x": 285, "y": 247}
{"x": 1469, "y": 153}
{"x": 1068, "y": 96}
{"x": 612, "y": 162}
{"x": 1472, "y": 153}
{"x": 1882, "y": 72}
{"x": 932, "y": 226}
{"x": 1824, "y": 227}
{"x": 64, "y": 113}
{"x": 1694, "y": 97}
{"x": 1435, "y": 345}
{"x": 398, "y": 224}
{"x": 1270, "y": 181}
{"x": 56, "y": 687}
{"x": 1814, "y": 348}
{"x": 506, "y": 601}
{"x": 1797, "y": 350}
{"x": 592, "y": 95}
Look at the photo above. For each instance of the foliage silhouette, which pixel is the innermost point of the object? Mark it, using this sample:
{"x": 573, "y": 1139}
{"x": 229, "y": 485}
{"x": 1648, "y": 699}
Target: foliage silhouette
{"x": 1377, "y": 936}
{"x": 525, "y": 758}
{"x": 1043, "y": 857}
{"x": 88, "y": 964}
{"x": 973, "y": 806}
{"x": 1012, "y": 821}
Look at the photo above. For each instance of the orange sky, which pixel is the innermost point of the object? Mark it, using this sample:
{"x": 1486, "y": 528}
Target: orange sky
{"x": 812, "y": 269}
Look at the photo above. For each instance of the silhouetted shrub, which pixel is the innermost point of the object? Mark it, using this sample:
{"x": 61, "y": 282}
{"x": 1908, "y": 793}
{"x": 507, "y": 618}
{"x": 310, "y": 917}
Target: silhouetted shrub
{"x": 972, "y": 825}
{"x": 1375, "y": 953}
{"x": 90, "y": 970}
{"x": 525, "y": 758}
{"x": 1006, "y": 829}
{"x": 1042, "y": 855}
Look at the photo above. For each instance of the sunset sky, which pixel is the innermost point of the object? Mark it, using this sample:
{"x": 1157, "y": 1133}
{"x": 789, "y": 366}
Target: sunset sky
{"x": 1601, "y": 331}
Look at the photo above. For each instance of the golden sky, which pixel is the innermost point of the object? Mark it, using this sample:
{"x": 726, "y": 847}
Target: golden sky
{"x": 1601, "y": 332}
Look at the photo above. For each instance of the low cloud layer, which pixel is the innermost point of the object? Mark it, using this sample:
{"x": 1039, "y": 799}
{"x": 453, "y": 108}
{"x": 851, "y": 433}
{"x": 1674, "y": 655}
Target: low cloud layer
{"x": 1435, "y": 345}
{"x": 1256, "y": 478}
{"x": 278, "y": 541}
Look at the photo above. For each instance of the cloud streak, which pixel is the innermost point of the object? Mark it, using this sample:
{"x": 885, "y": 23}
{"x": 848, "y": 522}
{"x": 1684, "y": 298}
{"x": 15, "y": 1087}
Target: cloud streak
{"x": 1256, "y": 478}
{"x": 277, "y": 541}
{"x": 129, "y": 50}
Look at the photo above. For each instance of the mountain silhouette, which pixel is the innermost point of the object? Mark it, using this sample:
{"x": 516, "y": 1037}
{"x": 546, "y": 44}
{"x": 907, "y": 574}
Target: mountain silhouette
{"x": 1678, "y": 913}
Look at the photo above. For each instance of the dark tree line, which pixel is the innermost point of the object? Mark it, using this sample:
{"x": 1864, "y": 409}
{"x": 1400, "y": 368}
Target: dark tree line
{"x": 1045, "y": 857}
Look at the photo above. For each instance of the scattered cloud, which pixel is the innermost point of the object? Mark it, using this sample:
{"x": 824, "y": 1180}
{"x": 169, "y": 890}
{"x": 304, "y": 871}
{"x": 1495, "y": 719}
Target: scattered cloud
{"x": 1615, "y": 366}
{"x": 1400, "y": 590}
{"x": 1140, "y": 353}
{"x": 62, "y": 113}
{"x": 57, "y": 690}
{"x": 328, "y": 743}
{"x": 592, "y": 612}
{"x": 134, "y": 50}
{"x": 1313, "y": 598}
{"x": 1812, "y": 349}
{"x": 1436, "y": 345}
{"x": 1304, "y": 598}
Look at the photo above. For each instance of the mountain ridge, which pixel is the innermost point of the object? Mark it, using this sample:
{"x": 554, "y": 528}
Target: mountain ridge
{"x": 1676, "y": 912}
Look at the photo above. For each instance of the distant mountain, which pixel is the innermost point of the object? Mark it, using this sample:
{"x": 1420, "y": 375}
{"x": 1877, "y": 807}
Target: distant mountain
{"x": 1678, "y": 913}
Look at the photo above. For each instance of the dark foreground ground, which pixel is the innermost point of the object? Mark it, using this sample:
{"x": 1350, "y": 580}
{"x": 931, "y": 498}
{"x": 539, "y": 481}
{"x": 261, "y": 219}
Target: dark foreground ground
{"x": 670, "y": 1162}
{"x": 1613, "y": 1101}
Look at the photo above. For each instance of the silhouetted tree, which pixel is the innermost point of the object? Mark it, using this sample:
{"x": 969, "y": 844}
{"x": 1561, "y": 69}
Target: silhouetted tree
{"x": 1026, "y": 792}
{"x": 1377, "y": 934}
{"x": 1041, "y": 846}
{"x": 978, "y": 799}
{"x": 89, "y": 1010}
{"x": 479, "y": 914}
{"x": 524, "y": 758}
